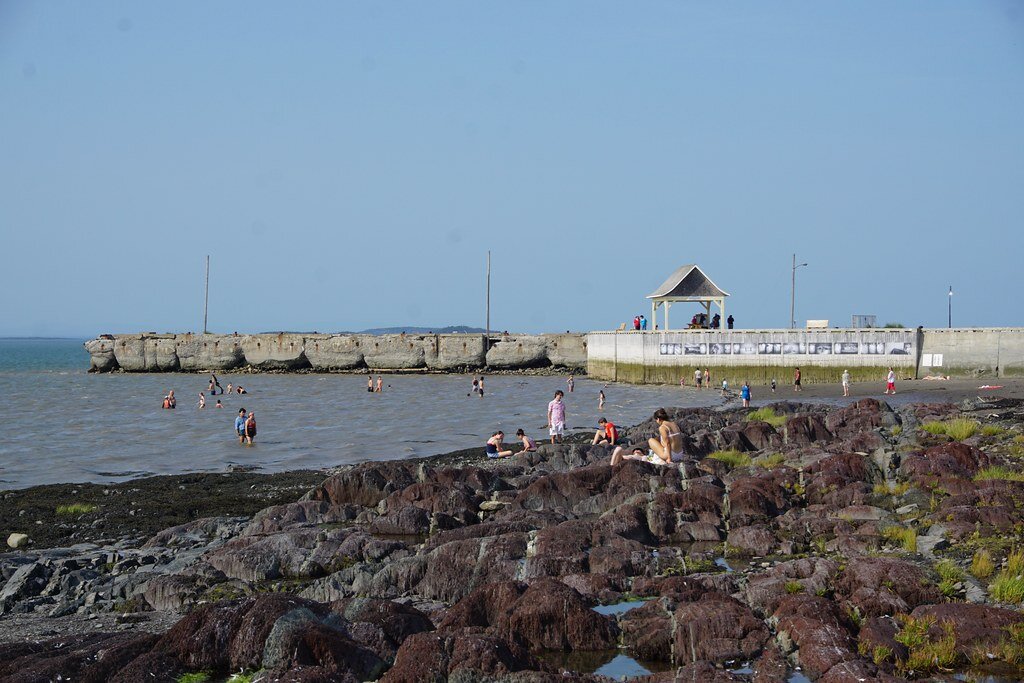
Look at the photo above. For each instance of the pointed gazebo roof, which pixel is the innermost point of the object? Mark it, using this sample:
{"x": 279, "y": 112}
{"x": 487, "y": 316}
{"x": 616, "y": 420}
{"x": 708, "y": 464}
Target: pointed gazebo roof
{"x": 688, "y": 283}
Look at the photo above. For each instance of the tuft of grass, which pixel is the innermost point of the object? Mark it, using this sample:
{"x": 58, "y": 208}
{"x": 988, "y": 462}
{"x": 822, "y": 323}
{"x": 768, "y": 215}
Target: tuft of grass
{"x": 241, "y": 677}
{"x": 76, "y": 509}
{"x": 1015, "y": 562}
{"x": 950, "y": 575}
{"x": 770, "y": 462}
{"x": 767, "y": 415}
{"x": 1007, "y": 587}
{"x": 896, "y": 431}
{"x": 998, "y": 472}
{"x": 931, "y": 654}
{"x": 197, "y": 677}
{"x": 906, "y": 538}
{"x": 881, "y": 654}
{"x": 892, "y": 488}
{"x": 794, "y": 587}
{"x": 959, "y": 428}
{"x": 732, "y": 458}
{"x": 993, "y": 430}
{"x": 982, "y": 565}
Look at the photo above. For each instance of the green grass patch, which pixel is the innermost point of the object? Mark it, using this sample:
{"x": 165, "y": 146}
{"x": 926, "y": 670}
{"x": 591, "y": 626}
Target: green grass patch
{"x": 794, "y": 587}
{"x": 896, "y": 431}
{"x": 891, "y": 488}
{"x": 76, "y": 509}
{"x": 959, "y": 429}
{"x": 242, "y": 677}
{"x": 982, "y": 565}
{"x": 770, "y": 462}
{"x": 732, "y": 458}
{"x": 949, "y": 576}
{"x": 1007, "y": 587}
{"x": 767, "y": 415}
{"x": 903, "y": 537}
{"x": 998, "y": 472}
{"x": 926, "y": 654}
{"x": 1015, "y": 562}
{"x": 993, "y": 430}
{"x": 197, "y": 677}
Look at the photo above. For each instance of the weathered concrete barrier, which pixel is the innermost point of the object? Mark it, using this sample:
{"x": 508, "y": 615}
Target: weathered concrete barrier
{"x": 285, "y": 351}
{"x": 758, "y": 356}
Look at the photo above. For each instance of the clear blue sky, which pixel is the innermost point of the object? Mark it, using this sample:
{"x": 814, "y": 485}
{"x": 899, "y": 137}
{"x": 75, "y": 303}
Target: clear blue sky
{"x": 348, "y": 164}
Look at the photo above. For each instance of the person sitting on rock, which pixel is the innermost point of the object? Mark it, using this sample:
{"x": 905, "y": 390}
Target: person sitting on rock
{"x": 665, "y": 450}
{"x": 529, "y": 445}
{"x": 606, "y": 434}
{"x": 494, "y": 446}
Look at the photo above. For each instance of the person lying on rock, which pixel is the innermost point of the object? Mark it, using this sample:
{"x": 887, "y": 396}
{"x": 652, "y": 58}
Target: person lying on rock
{"x": 665, "y": 450}
{"x": 494, "y": 446}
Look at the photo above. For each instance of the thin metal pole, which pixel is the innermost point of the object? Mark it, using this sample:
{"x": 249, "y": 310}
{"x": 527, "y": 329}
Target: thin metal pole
{"x": 488, "y": 298}
{"x": 206, "y": 306}
{"x": 792, "y": 298}
{"x": 950, "y": 297}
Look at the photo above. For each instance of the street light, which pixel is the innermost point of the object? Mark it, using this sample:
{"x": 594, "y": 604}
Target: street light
{"x": 792, "y": 295}
{"x": 950, "y": 321}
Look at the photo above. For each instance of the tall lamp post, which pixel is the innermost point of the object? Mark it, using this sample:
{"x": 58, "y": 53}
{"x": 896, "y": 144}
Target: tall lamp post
{"x": 792, "y": 295}
{"x": 949, "y": 322}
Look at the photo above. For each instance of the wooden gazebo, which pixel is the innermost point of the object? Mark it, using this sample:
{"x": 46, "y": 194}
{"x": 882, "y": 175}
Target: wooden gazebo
{"x": 687, "y": 284}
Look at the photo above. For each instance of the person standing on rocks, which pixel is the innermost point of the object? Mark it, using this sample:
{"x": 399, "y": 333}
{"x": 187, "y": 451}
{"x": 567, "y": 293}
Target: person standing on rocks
{"x": 796, "y": 380}
{"x": 846, "y": 382}
{"x": 890, "y": 382}
{"x": 240, "y": 426}
{"x": 556, "y": 417}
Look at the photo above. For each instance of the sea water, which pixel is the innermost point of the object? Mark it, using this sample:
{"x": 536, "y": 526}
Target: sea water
{"x": 58, "y": 423}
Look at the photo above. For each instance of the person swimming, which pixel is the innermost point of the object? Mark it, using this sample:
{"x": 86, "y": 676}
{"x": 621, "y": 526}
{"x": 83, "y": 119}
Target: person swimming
{"x": 169, "y": 401}
{"x": 219, "y": 404}
{"x": 202, "y": 400}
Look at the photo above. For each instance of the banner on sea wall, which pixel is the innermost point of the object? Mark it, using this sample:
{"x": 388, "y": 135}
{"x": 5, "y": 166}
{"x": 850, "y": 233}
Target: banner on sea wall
{"x": 777, "y": 348}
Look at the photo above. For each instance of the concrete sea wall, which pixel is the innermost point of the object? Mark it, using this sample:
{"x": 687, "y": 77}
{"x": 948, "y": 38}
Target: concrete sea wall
{"x": 822, "y": 355}
{"x": 149, "y": 352}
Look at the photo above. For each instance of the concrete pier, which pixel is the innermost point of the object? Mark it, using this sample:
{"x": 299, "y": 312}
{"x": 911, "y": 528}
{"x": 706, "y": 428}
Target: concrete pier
{"x": 758, "y": 356}
{"x": 151, "y": 352}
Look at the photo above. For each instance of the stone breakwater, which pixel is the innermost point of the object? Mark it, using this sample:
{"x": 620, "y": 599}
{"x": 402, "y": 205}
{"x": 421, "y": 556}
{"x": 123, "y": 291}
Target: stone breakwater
{"x": 334, "y": 352}
{"x": 851, "y": 542}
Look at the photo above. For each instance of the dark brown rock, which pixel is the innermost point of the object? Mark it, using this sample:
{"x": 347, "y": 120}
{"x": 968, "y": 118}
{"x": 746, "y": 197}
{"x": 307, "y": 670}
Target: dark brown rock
{"x": 878, "y": 586}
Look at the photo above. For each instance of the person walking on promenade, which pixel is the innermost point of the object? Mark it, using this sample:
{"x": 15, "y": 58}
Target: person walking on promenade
{"x": 890, "y": 382}
{"x": 846, "y": 382}
{"x": 698, "y": 378}
{"x": 556, "y": 417}
{"x": 745, "y": 394}
{"x": 796, "y": 380}
{"x": 240, "y": 426}
{"x": 729, "y": 321}
{"x": 250, "y": 428}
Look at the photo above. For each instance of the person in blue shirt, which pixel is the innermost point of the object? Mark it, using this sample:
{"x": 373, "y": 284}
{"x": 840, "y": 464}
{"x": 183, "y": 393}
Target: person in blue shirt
{"x": 745, "y": 394}
{"x": 643, "y": 323}
{"x": 240, "y": 425}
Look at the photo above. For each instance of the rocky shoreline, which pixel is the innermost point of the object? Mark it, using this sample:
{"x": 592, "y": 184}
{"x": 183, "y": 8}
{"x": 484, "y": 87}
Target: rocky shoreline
{"x": 845, "y": 543}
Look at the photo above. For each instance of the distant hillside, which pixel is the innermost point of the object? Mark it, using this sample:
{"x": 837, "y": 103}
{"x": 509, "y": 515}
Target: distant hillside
{"x": 451, "y": 329}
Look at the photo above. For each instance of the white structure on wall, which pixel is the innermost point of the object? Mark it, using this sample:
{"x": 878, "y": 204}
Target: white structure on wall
{"x": 687, "y": 284}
